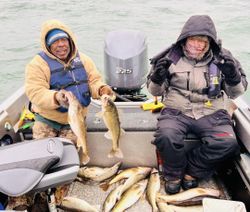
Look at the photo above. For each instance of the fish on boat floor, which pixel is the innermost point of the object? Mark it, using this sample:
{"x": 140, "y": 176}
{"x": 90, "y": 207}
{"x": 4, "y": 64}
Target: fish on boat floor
{"x": 94, "y": 195}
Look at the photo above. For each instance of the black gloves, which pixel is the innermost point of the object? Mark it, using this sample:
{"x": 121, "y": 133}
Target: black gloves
{"x": 161, "y": 71}
{"x": 229, "y": 69}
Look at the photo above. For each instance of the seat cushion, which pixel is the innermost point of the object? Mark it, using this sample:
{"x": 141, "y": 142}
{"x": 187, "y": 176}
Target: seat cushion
{"x": 22, "y": 165}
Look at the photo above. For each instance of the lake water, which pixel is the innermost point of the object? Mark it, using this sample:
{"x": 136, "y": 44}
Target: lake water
{"x": 160, "y": 20}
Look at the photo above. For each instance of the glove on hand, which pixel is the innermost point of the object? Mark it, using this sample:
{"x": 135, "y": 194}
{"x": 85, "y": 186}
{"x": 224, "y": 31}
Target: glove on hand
{"x": 62, "y": 99}
{"x": 106, "y": 90}
{"x": 228, "y": 68}
{"x": 161, "y": 70}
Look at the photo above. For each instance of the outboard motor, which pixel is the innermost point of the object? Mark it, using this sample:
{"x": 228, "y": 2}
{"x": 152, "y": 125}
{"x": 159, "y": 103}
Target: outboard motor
{"x": 125, "y": 62}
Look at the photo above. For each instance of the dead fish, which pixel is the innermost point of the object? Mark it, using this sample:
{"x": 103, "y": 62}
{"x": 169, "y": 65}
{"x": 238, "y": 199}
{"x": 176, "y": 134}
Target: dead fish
{"x": 77, "y": 124}
{"x": 192, "y": 196}
{"x": 110, "y": 117}
{"x": 97, "y": 173}
{"x": 153, "y": 188}
{"x": 125, "y": 174}
{"x": 112, "y": 198}
{"x": 76, "y": 204}
{"x": 116, "y": 194}
{"x": 132, "y": 180}
{"x": 131, "y": 196}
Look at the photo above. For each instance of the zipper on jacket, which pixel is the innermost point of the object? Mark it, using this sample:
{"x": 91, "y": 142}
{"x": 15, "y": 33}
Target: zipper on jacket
{"x": 74, "y": 78}
{"x": 188, "y": 79}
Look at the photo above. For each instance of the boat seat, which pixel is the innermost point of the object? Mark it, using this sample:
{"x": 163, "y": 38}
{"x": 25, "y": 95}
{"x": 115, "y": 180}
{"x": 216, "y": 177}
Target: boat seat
{"x": 37, "y": 165}
{"x": 63, "y": 172}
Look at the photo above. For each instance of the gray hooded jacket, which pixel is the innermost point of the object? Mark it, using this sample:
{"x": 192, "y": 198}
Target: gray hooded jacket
{"x": 184, "y": 90}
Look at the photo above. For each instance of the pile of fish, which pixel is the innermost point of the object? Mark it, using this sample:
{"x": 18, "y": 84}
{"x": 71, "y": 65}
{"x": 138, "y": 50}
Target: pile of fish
{"x": 109, "y": 114}
{"x": 130, "y": 185}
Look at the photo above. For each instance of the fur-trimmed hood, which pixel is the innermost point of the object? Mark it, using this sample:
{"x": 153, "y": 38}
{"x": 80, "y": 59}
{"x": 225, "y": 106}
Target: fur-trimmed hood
{"x": 55, "y": 24}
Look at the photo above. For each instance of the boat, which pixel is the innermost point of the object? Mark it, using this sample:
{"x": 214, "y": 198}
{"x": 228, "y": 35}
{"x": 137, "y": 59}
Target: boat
{"x": 233, "y": 179}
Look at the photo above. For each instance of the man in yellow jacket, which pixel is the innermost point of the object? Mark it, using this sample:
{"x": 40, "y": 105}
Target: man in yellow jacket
{"x": 59, "y": 68}
{"x": 56, "y": 70}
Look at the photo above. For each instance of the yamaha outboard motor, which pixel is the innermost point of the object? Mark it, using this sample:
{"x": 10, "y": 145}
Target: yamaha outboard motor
{"x": 125, "y": 63}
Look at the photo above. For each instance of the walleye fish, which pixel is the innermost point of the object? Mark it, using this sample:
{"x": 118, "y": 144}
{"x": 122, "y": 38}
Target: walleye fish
{"x": 116, "y": 194}
{"x": 112, "y": 198}
{"x": 110, "y": 117}
{"x": 131, "y": 196}
{"x": 192, "y": 196}
{"x": 132, "y": 180}
{"x": 125, "y": 174}
{"x": 153, "y": 188}
{"x": 98, "y": 174}
{"x": 77, "y": 124}
{"x": 76, "y": 204}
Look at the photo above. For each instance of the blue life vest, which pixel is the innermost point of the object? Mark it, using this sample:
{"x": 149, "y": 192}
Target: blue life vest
{"x": 72, "y": 79}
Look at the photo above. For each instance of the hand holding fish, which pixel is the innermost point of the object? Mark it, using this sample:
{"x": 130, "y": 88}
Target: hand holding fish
{"x": 106, "y": 90}
{"x": 61, "y": 98}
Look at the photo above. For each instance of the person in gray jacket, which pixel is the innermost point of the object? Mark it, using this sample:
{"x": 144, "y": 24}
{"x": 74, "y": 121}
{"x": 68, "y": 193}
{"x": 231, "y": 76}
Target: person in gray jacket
{"x": 196, "y": 78}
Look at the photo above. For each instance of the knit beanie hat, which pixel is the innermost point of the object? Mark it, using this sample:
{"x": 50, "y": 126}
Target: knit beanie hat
{"x": 54, "y": 35}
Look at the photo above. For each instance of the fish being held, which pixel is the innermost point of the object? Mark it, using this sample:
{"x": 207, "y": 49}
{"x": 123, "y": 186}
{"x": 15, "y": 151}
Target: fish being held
{"x": 131, "y": 196}
{"x": 192, "y": 196}
{"x": 110, "y": 117}
{"x": 98, "y": 174}
{"x": 76, "y": 204}
{"x": 153, "y": 188}
{"x": 77, "y": 124}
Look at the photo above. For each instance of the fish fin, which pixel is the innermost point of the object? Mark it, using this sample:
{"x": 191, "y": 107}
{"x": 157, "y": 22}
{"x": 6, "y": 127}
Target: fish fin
{"x": 108, "y": 135}
{"x": 84, "y": 159}
{"x": 104, "y": 186}
{"x": 80, "y": 180}
{"x": 115, "y": 153}
{"x": 99, "y": 114}
{"x": 123, "y": 132}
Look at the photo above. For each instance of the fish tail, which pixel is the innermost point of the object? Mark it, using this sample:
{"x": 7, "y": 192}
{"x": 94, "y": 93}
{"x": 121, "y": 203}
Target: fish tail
{"x": 83, "y": 156}
{"x": 84, "y": 159}
{"x": 115, "y": 153}
{"x": 154, "y": 209}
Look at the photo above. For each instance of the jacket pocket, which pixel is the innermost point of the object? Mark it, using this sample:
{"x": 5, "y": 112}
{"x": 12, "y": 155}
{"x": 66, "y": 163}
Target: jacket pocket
{"x": 169, "y": 113}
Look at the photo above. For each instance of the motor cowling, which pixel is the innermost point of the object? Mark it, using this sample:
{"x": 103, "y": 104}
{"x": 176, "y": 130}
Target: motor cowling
{"x": 125, "y": 60}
